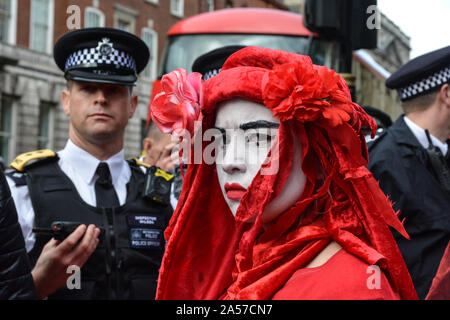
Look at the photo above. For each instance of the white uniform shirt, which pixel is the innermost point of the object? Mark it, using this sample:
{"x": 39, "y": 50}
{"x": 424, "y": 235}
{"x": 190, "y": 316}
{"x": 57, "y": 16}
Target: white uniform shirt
{"x": 421, "y": 136}
{"x": 80, "y": 167}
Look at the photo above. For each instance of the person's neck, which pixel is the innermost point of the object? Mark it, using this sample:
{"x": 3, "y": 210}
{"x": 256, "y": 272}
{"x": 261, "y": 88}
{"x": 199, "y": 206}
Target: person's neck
{"x": 101, "y": 150}
{"x": 427, "y": 119}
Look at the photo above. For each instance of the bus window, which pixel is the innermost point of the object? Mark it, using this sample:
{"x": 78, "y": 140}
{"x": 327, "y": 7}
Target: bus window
{"x": 182, "y": 50}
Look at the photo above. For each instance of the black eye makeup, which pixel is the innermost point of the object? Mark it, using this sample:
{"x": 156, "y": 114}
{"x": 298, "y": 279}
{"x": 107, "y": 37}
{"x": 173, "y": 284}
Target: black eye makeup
{"x": 260, "y": 133}
{"x": 260, "y": 138}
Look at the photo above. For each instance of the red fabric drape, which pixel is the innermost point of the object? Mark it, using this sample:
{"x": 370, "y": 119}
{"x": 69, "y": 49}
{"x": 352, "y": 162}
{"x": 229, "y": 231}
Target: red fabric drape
{"x": 440, "y": 287}
{"x": 210, "y": 254}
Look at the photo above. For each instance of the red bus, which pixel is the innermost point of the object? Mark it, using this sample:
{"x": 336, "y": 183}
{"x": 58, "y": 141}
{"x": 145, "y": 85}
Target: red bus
{"x": 270, "y": 28}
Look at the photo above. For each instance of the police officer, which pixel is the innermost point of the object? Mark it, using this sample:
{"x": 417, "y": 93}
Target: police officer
{"x": 209, "y": 64}
{"x": 382, "y": 119}
{"x": 411, "y": 162}
{"x": 161, "y": 150}
{"x": 16, "y": 281}
{"x": 90, "y": 182}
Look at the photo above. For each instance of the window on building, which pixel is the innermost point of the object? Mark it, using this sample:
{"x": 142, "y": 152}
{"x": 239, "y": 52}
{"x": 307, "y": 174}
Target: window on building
{"x": 46, "y": 125}
{"x": 41, "y": 25}
{"x": 5, "y": 20}
{"x": 123, "y": 25}
{"x": 229, "y": 4}
{"x": 6, "y": 111}
{"x": 150, "y": 37}
{"x": 210, "y": 5}
{"x": 93, "y": 18}
{"x": 124, "y": 18}
{"x": 8, "y": 21}
{"x": 177, "y": 7}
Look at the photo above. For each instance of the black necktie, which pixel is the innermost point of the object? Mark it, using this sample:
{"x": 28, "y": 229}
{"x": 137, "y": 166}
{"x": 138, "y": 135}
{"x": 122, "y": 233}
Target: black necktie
{"x": 104, "y": 191}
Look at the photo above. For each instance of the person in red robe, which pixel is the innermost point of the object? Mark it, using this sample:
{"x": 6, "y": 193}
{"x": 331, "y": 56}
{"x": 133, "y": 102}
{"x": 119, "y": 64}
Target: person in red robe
{"x": 440, "y": 287}
{"x": 305, "y": 221}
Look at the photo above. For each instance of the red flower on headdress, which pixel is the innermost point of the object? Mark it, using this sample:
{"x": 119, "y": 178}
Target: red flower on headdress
{"x": 340, "y": 109}
{"x": 308, "y": 93}
{"x": 177, "y": 106}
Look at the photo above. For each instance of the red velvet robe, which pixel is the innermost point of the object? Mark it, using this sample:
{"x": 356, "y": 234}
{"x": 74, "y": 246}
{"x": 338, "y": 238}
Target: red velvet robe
{"x": 342, "y": 277}
{"x": 210, "y": 254}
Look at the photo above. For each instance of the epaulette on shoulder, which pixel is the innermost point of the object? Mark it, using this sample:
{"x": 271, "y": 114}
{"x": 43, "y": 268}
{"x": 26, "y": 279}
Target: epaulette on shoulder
{"x": 159, "y": 172}
{"x": 138, "y": 162}
{"x": 28, "y": 158}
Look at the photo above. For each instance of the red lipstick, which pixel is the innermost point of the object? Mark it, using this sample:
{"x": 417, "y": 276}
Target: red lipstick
{"x": 234, "y": 191}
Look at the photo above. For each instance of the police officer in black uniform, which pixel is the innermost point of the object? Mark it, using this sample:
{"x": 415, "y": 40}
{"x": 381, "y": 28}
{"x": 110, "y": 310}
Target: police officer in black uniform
{"x": 16, "y": 282}
{"x": 90, "y": 182}
{"x": 411, "y": 162}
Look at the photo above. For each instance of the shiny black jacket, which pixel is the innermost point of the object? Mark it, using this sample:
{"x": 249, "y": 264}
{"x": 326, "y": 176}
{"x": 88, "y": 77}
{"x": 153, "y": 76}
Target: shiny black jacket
{"x": 15, "y": 277}
{"x": 403, "y": 169}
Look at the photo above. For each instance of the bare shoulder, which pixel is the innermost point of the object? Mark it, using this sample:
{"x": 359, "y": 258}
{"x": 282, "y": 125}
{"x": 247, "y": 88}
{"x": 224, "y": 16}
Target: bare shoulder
{"x": 324, "y": 255}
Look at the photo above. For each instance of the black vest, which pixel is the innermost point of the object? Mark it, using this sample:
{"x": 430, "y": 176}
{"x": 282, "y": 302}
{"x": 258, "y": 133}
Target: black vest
{"x": 126, "y": 262}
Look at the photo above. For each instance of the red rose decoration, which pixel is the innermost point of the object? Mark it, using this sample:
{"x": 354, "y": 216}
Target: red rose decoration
{"x": 177, "y": 106}
{"x": 307, "y": 93}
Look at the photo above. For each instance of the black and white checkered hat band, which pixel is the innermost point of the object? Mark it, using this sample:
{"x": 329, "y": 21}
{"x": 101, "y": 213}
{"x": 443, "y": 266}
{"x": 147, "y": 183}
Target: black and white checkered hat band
{"x": 425, "y": 85}
{"x": 211, "y": 73}
{"x": 88, "y": 56}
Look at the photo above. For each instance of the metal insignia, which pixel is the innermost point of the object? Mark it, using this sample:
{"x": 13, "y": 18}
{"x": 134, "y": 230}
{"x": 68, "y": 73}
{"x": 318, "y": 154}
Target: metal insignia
{"x": 105, "y": 47}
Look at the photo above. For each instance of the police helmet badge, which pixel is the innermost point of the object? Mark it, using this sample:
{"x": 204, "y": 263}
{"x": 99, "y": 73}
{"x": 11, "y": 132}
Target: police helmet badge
{"x": 105, "y": 47}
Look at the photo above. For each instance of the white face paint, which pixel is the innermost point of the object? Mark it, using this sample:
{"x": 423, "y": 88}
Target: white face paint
{"x": 249, "y": 128}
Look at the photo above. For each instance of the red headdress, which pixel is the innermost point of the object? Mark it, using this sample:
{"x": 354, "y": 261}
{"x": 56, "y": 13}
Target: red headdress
{"x": 210, "y": 254}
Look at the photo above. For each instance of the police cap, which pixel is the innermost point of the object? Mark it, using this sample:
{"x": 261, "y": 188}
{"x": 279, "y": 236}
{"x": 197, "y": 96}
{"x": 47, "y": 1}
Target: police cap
{"x": 421, "y": 75}
{"x": 102, "y": 55}
{"x": 210, "y": 63}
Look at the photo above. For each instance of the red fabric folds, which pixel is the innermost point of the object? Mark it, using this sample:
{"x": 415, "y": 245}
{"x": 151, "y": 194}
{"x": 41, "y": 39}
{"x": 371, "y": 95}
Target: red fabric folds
{"x": 330, "y": 280}
{"x": 440, "y": 287}
{"x": 211, "y": 255}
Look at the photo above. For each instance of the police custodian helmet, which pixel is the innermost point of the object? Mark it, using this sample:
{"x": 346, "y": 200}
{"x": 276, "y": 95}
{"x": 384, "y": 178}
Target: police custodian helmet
{"x": 210, "y": 63}
{"x": 421, "y": 75}
{"x": 103, "y": 55}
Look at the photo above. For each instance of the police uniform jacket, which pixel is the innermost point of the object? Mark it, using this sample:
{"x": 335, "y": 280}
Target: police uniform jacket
{"x": 61, "y": 188}
{"x": 15, "y": 272}
{"x": 402, "y": 167}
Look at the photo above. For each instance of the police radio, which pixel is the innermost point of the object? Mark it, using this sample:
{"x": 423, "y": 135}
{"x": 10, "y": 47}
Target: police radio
{"x": 61, "y": 229}
{"x": 158, "y": 185}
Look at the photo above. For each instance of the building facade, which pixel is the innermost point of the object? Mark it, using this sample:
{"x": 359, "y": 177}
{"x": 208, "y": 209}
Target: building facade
{"x": 31, "y": 114}
{"x": 30, "y": 83}
{"x": 393, "y": 50}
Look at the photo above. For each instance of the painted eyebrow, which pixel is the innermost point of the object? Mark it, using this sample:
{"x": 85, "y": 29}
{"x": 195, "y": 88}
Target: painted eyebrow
{"x": 259, "y": 124}
{"x": 253, "y": 125}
